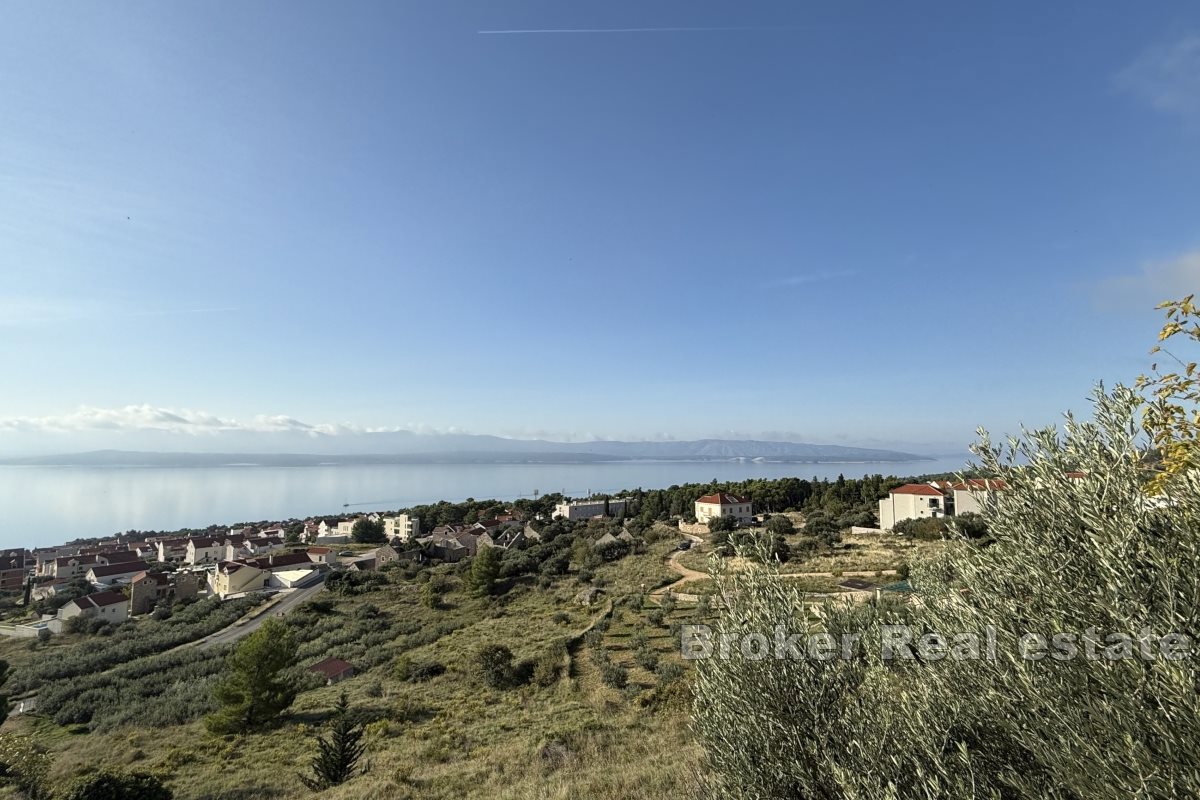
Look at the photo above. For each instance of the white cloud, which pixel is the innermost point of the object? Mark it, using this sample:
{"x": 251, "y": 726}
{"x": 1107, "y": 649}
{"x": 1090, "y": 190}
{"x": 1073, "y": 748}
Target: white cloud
{"x": 1167, "y": 76}
{"x": 1152, "y": 284}
{"x": 141, "y": 418}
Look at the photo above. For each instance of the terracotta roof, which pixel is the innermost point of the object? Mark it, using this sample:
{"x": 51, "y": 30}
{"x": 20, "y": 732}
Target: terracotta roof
{"x": 118, "y": 556}
{"x": 158, "y": 577}
{"x": 101, "y": 600}
{"x": 65, "y": 561}
{"x": 104, "y": 571}
{"x": 917, "y": 488}
{"x": 981, "y": 483}
{"x": 724, "y": 499}
{"x": 332, "y": 667}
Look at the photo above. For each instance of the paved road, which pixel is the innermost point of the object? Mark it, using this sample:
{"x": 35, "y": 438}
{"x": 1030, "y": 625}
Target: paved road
{"x": 235, "y": 632}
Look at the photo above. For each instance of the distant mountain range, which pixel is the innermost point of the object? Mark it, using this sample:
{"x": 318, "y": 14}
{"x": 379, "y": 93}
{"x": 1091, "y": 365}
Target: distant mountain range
{"x": 468, "y": 449}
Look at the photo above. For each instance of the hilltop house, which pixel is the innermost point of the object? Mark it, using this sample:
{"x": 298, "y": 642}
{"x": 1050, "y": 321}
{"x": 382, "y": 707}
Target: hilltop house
{"x": 723, "y": 504}
{"x": 912, "y": 501}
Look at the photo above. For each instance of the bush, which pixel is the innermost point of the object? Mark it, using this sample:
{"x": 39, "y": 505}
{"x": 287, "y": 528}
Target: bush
{"x": 613, "y": 675}
{"x": 1067, "y": 556}
{"x": 418, "y": 671}
{"x": 493, "y": 665}
{"x": 548, "y": 667}
{"x": 780, "y": 525}
{"x": 113, "y": 785}
{"x": 646, "y": 658}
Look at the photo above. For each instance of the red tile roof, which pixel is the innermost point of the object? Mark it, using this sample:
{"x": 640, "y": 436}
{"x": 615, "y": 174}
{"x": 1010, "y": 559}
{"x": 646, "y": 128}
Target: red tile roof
{"x": 119, "y": 556}
{"x": 332, "y": 667}
{"x": 117, "y": 569}
{"x": 917, "y": 488}
{"x": 101, "y": 599}
{"x": 724, "y": 499}
{"x": 986, "y": 484}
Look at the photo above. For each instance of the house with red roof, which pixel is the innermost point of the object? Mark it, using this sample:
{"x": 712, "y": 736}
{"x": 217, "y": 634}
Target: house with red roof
{"x": 971, "y": 494}
{"x": 334, "y": 670}
{"x": 913, "y": 501}
{"x": 109, "y": 606}
{"x": 723, "y": 504}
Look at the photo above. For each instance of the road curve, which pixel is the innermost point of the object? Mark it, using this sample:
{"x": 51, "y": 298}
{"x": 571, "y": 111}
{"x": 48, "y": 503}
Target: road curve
{"x": 237, "y": 631}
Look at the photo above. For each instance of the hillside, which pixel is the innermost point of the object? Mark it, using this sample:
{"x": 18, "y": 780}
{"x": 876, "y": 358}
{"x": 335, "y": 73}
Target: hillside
{"x": 434, "y": 730}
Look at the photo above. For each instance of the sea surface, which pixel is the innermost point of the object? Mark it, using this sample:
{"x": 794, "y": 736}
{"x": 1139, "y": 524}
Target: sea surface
{"x": 42, "y": 506}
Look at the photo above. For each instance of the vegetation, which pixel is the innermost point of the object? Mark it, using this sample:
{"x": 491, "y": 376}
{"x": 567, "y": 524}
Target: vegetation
{"x": 131, "y": 641}
{"x": 485, "y": 569}
{"x": 25, "y": 765}
{"x": 109, "y": 784}
{"x": 1172, "y": 415}
{"x": 1065, "y": 556}
{"x": 368, "y": 531}
{"x": 255, "y": 690}
{"x": 338, "y": 755}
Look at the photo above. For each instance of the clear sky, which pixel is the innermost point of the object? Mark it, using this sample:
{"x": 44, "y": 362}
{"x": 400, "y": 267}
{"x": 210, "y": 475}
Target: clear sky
{"x": 844, "y": 222}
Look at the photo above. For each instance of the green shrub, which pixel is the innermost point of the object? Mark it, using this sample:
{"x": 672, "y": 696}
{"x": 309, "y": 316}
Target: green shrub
{"x": 613, "y": 675}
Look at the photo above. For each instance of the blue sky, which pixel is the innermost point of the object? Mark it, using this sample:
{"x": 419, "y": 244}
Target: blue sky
{"x": 843, "y": 222}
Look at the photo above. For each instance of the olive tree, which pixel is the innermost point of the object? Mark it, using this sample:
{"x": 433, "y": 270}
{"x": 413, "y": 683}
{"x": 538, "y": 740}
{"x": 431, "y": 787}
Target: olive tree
{"x": 1076, "y": 548}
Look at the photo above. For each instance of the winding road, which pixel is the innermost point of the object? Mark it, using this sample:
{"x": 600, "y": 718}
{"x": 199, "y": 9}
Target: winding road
{"x": 246, "y": 626}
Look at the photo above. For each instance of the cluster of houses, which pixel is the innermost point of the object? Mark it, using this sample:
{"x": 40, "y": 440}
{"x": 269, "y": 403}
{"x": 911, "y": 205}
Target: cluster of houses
{"x": 940, "y": 499}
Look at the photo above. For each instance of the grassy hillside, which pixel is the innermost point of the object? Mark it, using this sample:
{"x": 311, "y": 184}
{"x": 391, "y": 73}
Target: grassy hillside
{"x": 449, "y": 735}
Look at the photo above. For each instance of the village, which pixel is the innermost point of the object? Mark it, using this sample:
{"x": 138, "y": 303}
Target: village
{"x": 112, "y": 580}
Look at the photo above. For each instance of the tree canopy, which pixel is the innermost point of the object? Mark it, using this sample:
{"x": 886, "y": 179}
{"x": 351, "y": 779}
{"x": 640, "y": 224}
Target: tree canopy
{"x": 255, "y": 689}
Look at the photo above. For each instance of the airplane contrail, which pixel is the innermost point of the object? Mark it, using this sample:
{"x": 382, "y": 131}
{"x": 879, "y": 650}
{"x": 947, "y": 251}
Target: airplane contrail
{"x": 629, "y": 30}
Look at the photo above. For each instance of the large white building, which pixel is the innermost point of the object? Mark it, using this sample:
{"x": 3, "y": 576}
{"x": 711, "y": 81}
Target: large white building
{"x": 911, "y": 501}
{"x": 723, "y": 504}
{"x": 586, "y": 509}
{"x": 402, "y": 527}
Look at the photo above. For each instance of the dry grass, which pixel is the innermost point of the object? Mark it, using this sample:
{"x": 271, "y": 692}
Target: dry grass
{"x": 451, "y": 737}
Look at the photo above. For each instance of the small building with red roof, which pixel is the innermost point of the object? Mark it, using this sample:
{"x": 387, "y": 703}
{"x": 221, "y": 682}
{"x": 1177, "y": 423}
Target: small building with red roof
{"x": 724, "y": 504}
{"x": 334, "y": 670}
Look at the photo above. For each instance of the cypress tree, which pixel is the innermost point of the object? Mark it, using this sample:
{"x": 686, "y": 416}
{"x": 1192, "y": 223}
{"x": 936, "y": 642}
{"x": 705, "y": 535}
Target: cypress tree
{"x": 338, "y": 754}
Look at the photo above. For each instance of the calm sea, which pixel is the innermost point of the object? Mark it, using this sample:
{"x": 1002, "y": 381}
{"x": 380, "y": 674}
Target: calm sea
{"x": 48, "y": 505}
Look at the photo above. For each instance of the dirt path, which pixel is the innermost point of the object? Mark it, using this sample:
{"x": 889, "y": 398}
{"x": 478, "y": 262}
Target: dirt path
{"x": 688, "y": 575}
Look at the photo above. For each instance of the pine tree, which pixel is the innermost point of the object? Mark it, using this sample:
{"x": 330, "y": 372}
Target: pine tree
{"x": 338, "y": 754}
{"x": 255, "y": 690}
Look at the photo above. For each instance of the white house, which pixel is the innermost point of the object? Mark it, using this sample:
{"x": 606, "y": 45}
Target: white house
{"x": 109, "y": 574}
{"x": 971, "y": 494}
{"x": 205, "y": 550}
{"x": 724, "y": 504}
{"x": 587, "y": 509}
{"x": 110, "y": 606}
{"x": 402, "y": 527}
{"x": 911, "y": 501}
